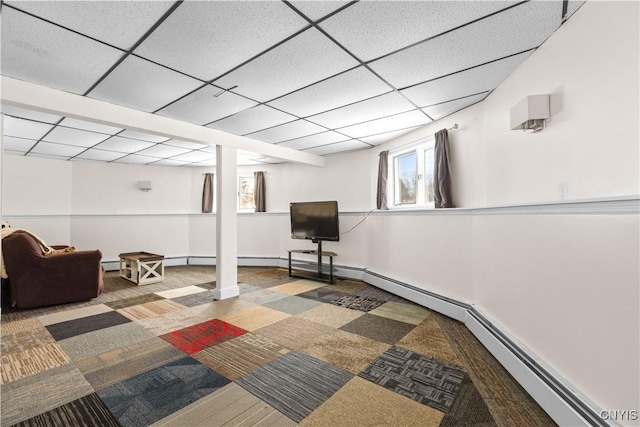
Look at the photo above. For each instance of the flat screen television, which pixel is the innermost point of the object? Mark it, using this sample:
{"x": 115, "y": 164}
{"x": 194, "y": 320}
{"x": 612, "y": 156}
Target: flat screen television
{"x": 315, "y": 221}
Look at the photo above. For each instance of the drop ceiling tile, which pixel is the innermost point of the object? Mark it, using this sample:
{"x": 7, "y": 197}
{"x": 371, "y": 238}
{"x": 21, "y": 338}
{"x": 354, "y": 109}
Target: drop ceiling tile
{"x": 371, "y": 29}
{"x": 346, "y": 88}
{"x": 57, "y": 149}
{"x": 475, "y": 80}
{"x": 94, "y": 127}
{"x": 374, "y": 108}
{"x": 39, "y": 52}
{"x": 170, "y": 162}
{"x": 186, "y": 144}
{"x": 17, "y": 144}
{"x": 303, "y": 60}
{"x": 209, "y": 149}
{"x": 14, "y": 153}
{"x": 23, "y": 128}
{"x": 397, "y": 122}
{"x": 252, "y": 120}
{"x": 247, "y": 155}
{"x": 82, "y": 138}
{"x": 96, "y": 18}
{"x": 128, "y": 133}
{"x": 202, "y": 107}
{"x": 135, "y": 159}
{"x": 573, "y": 6}
{"x": 315, "y": 140}
{"x": 210, "y": 162}
{"x": 30, "y": 114}
{"x": 441, "y": 110}
{"x": 315, "y": 10}
{"x": 207, "y": 38}
{"x": 387, "y": 136}
{"x": 338, "y": 147}
{"x": 140, "y": 84}
{"x": 194, "y": 156}
{"x": 515, "y": 30}
{"x": 100, "y": 155}
{"x": 123, "y": 145}
{"x": 288, "y": 131}
{"x": 162, "y": 150}
{"x": 48, "y": 156}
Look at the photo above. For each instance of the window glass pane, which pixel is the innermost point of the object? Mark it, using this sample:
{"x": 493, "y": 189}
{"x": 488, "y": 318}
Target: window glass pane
{"x": 245, "y": 193}
{"x": 407, "y": 178}
{"x": 428, "y": 175}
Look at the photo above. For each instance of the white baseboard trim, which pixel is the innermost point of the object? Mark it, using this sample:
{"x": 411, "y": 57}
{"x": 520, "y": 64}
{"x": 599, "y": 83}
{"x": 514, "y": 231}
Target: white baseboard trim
{"x": 224, "y": 293}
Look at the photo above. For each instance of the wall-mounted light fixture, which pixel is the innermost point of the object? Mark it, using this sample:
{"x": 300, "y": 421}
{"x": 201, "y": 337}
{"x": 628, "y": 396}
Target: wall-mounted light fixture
{"x": 531, "y": 113}
{"x": 144, "y": 186}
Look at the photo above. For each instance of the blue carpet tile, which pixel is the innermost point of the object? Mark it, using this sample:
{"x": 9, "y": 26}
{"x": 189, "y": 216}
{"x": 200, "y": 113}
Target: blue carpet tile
{"x": 72, "y": 328}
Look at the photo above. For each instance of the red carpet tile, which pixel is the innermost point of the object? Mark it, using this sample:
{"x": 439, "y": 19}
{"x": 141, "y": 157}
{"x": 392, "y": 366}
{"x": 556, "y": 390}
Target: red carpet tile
{"x": 203, "y": 335}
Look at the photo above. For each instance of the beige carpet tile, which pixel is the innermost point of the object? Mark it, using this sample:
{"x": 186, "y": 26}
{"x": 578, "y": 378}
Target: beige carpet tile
{"x": 63, "y": 316}
{"x": 13, "y": 314}
{"x": 331, "y": 315}
{"x": 125, "y": 293}
{"x": 25, "y": 339}
{"x": 103, "y": 340}
{"x": 263, "y": 296}
{"x": 293, "y": 304}
{"x": 408, "y": 313}
{"x": 239, "y": 356}
{"x": 17, "y": 365}
{"x": 345, "y": 350}
{"x": 428, "y": 339}
{"x": 130, "y": 302}
{"x": 294, "y": 333}
{"x": 9, "y": 328}
{"x": 348, "y": 286}
{"x": 296, "y": 287}
{"x": 254, "y": 318}
{"x": 180, "y": 292}
{"x": 151, "y": 309}
{"x": 116, "y": 365}
{"x": 362, "y": 403}
{"x": 229, "y": 406}
{"x": 35, "y": 394}
{"x": 266, "y": 279}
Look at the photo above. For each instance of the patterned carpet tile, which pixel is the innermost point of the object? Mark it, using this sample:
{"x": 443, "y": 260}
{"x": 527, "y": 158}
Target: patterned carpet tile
{"x": 331, "y": 315}
{"x": 245, "y": 289}
{"x": 408, "y": 313}
{"x": 325, "y": 294}
{"x": 35, "y": 394}
{"x": 88, "y": 410}
{"x": 263, "y": 296}
{"x": 150, "y": 309}
{"x": 198, "y": 337}
{"x": 267, "y": 279}
{"x": 11, "y": 314}
{"x": 127, "y": 291}
{"x": 296, "y": 287}
{"x": 239, "y": 356}
{"x": 72, "y": 328}
{"x": 208, "y": 285}
{"x": 152, "y": 395}
{"x": 255, "y": 317}
{"x": 180, "y": 292}
{"x": 24, "y": 339}
{"x": 378, "y": 328}
{"x": 25, "y": 325}
{"x": 345, "y": 350}
{"x": 77, "y": 313}
{"x": 192, "y": 300}
{"x": 427, "y": 338}
{"x": 295, "y": 384}
{"x": 355, "y": 302}
{"x": 376, "y": 406}
{"x": 380, "y": 295}
{"x": 347, "y": 286}
{"x": 125, "y": 362}
{"x": 417, "y": 377}
{"x": 468, "y": 409}
{"x": 129, "y": 302}
{"x": 229, "y": 406}
{"x": 292, "y": 305}
{"x": 294, "y": 333}
{"x": 17, "y": 365}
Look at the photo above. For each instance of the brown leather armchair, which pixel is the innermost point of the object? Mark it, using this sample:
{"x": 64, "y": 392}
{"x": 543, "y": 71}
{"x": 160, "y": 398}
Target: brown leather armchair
{"x": 38, "y": 280}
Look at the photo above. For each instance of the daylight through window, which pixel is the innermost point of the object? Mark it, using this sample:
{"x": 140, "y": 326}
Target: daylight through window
{"x": 412, "y": 174}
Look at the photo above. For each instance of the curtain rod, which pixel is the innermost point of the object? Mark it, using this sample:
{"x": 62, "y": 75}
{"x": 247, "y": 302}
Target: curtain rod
{"x": 454, "y": 127}
{"x": 254, "y": 171}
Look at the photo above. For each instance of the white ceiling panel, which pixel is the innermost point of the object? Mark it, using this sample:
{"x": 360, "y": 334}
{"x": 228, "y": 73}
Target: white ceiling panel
{"x": 100, "y": 155}
{"x": 38, "y": 52}
{"x": 202, "y": 107}
{"x": 185, "y": 144}
{"x": 30, "y": 114}
{"x": 123, "y": 145}
{"x": 93, "y": 127}
{"x": 135, "y": 83}
{"x": 338, "y": 147}
{"x": 162, "y": 150}
{"x": 299, "y": 62}
{"x": 17, "y": 144}
{"x": 399, "y": 121}
{"x": 143, "y": 136}
{"x": 57, "y": 149}
{"x": 209, "y": 162}
{"x": 441, "y": 110}
{"x": 207, "y": 38}
{"x": 381, "y": 138}
{"x": 81, "y": 138}
{"x": 475, "y": 80}
{"x": 96, "y": 18}
{"x": 170, "y": 162}
{"x": 315, "y": 140}
{"x": 288, "y": 131}
{"x": 516, "y": 30}
{"x": 315, "y": 10}
{"x": 346, "y": 88}
{"x": 22, "y": 128}
{"x": 47, "y": 156}
{"x": 209, "y": 149}
{"x": 371, "y": 29}
{"x": 374, "y": 108}
{"x": 135, "y": 159}
{"x": 252, "y": 120}
{"x": 194, "y": 156}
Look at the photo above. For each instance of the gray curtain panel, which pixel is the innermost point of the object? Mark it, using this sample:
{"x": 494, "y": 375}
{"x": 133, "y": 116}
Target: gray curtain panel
{"x": 442, "y": 171}
{"x": 383, "y": 168}
{"x": 207, "y": 193}
{"x": 259, "y": 192}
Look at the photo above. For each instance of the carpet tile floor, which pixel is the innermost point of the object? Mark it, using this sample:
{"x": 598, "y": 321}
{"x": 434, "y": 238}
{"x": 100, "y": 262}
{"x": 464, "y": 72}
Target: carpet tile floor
{"x": 286, "y": 352}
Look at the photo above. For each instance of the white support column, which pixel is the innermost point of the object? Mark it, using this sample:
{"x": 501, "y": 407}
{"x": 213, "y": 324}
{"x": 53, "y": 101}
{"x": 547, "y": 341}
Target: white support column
{"x": 1, "y": 169}
{"x": 226, "y": 224}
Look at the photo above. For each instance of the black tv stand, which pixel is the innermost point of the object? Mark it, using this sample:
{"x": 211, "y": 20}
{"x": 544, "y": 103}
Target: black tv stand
{"x": 318, "y": 274}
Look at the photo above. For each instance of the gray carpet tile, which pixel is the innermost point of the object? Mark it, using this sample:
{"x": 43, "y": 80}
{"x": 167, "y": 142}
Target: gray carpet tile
{"x": 292, "y": 305}
{"x": 72, "y": 328}
{"x": 325, "y": 294}
{"x": 380, "y": 295}
{"x": 383, "y": 329}
{"x": 200, "y": 298}
{"x": 468, "y": 408}
{"x": 356, "y": 302}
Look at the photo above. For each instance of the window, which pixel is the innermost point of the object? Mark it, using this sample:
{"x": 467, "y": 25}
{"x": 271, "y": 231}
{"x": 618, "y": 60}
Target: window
{"x": 245, "y": 193}
{"x": 413, "y": 174}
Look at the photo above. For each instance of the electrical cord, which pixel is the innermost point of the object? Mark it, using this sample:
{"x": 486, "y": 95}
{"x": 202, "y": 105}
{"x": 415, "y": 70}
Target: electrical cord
{"x": 361, "y": 221}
